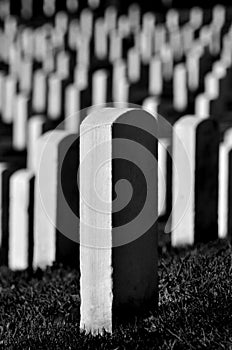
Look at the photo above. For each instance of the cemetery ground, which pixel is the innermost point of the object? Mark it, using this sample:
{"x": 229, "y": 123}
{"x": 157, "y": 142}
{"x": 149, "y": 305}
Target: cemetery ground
{"x": 40, "y": 310}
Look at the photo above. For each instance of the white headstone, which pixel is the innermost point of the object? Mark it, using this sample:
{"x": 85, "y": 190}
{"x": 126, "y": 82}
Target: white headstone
{"x": 52, "y": 211}
{"x": 134, "y": 65}
{"x": 20, "y": 219}
{"x": 202, "y": 106}
{"x": 180, "y": 98}
{"x": 133, "y": 281}
{"x": 224, "y": 174}
{"x": 155, "y": 76}
{"x": 72, "y": 108}
{"x": 39, "y": 92}
{"x": 194, "y": 181}
{"x": 9, "y": 98}
{"x": 20, "y": 122}
{"x": 100, "y": 39}
{"x": 34, "y": 131}
{"x": 99, "y": 87}
{"x": 54, "y": 97}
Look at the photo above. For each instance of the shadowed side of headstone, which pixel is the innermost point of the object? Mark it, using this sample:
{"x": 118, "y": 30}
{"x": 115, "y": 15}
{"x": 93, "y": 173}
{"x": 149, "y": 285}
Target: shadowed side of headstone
{"x": 67, "y": 247}
{"x": 206, "y": 182}
{"x": 6, "y": 171}
{"x": 118, "y": 212}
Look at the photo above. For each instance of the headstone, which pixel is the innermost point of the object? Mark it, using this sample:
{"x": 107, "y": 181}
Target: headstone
{"x": 224, "y": 179}
{"x": 155, "y": 76}
{"x": 20, "y": 122}
{"x": 195, "y": 181}
{"x": 39, "y": 92}
{"x": 34, "y": 131}
{"x": 2, "y": 85}
{"x": 118, "y": 271}
{"x": 62, "y": 64}
{"x": 120, "y": 88}
{"x": 211, "y": 86}
{"x": 202, "y": 106}
{"x": 9, "y": 97}
{"x": 81, "y": 76}
{"x": 134, "y": 65}
{"x": 192, "y": 66}
{"x": 115, "y": 46}
{"x": 150, "y": 104}
{"x": 196, "y": 17}
{"x": 21, "y": 219}
{"x": 54, "y": 97}
{"x": 26, "y": 75}
{"x": 110, "y": 17}
{"x": 72, "y": 108}
{"x": 56, "y": 199}
{"x": 100, "y": 39}
{"x": 166, "y": 55}
{"x": 99, "y": 87}
{"x": 180, "y": 98}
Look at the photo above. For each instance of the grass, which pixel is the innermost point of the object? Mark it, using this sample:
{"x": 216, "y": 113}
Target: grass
{"x": 41, "y": 310}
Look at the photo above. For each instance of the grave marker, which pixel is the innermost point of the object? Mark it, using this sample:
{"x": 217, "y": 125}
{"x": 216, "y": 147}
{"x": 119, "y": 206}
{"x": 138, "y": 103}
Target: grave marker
{"x": 115, "y": 277}
{"x": 195, "y": 181}
{"x": 56, "y": 199}
{"x": 21, "y": 219}
{"x": 224, "y": 181}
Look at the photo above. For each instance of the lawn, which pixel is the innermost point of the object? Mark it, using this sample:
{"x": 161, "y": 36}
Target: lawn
{"x": 41, "y": 310}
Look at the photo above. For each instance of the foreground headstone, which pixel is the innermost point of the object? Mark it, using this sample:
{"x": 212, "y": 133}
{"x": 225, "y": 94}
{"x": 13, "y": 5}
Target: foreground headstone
{"x": 195, "y": 181}
{"x": 56, "y": 200}
{"x": 118, "y": 235}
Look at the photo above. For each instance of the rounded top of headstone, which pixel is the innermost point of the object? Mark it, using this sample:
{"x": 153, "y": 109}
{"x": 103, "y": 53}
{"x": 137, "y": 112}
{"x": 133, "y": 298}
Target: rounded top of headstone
{"x": 191, "y": 121}
{"x": 136, "y": 117}
{"x": 23, "y": 174}
{"x": 55, "y": 136}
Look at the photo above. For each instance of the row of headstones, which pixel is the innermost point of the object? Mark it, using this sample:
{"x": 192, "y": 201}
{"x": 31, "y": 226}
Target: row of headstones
{"x": 133, "y": 282}
{"x": 32, "y": 10}
{"x": 21, "y": 70}
{"x": 27, "y": 9}
{"x": 183, "y": 77}
{"x": 169, "y": 42}
{"x": 118, "y": 259}
{"x": 132, "y": 256}
{"x": 194, "y": 185}
{"x": 19, "y": 139}
{"x": 36, "y": 126}
{"x": 38, "y": 222}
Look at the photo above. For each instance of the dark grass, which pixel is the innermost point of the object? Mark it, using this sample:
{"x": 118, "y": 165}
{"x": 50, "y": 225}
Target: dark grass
{"x": 41, "y": 311}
